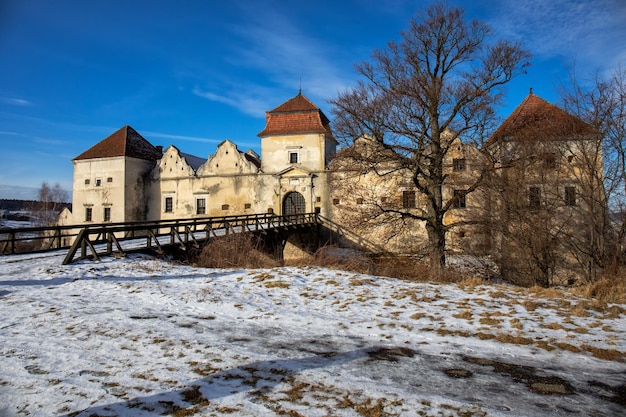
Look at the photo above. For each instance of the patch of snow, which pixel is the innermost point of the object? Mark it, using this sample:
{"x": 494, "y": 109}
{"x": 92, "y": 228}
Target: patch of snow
{"x": 141, "y": 337}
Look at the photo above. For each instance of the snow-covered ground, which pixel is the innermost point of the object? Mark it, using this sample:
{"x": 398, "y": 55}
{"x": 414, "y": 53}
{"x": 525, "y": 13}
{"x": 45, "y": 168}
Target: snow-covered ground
{"x": 143, "y": 337}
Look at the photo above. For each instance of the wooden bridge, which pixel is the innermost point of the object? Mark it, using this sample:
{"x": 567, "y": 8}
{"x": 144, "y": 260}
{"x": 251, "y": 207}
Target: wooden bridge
{"x": 93, "y": 241}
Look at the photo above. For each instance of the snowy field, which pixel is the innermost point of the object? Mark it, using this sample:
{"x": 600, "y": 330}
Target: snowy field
{"x": 142, "y": 337}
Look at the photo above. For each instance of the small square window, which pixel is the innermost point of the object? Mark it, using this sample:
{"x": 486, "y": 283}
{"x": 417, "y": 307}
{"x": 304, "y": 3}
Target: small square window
{"x": 225, "y": 206}
{"x": 570, "y": 196}
{"x": 359, "y": 200}
{"x": 408, "y": 199}
{"x": 318, "y": 199}
{"x": 458, "y": 164}
{"x": 293, "y": 157}
{"x": 110, "y": 179}
{"x": 98, "y": 182}
{"x": 87, "y": 181}
{"x": 318, "y": 210}
{"x": 335, "y": 201}
{"x": 270, "y": 210}
{"x": 247, "y": 206}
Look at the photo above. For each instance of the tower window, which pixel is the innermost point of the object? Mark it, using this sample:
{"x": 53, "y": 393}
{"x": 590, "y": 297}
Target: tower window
{"x": 107, "y": 214}
{"x": 570, "y": 196}
{"x": 534, "y": 197}
{"x": 88, "y": 214}
{"x": 459, "y": 196}
{"x": 408, "y": 199}
{"x": 293, "y": 157}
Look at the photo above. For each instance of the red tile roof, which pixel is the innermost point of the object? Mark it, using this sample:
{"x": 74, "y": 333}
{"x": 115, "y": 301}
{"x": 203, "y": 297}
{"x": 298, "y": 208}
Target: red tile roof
{"x": 536, "y": 119}
{"x": 125, "y": 142}
{"x": 297, "y": 115}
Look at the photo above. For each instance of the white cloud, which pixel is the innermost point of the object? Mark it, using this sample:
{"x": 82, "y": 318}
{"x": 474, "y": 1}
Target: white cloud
{"x": 180, "y": 137}
{"x": 592, "y": 32}
{"x": 273, "y": 49}
{"x": 14, "y": 101}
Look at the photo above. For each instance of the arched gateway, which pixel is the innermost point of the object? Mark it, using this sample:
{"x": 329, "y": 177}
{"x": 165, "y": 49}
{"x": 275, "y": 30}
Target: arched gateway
{"x": 294, "y": 203}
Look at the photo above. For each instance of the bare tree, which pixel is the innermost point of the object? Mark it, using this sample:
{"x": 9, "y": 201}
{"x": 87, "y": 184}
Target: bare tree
{"x": 440, "y": 82}
{"x": 51, "y": 200}
{"x": 601, "y": 102}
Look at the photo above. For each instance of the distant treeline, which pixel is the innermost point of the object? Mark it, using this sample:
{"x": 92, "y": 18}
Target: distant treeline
{"x": 31, "y": 205}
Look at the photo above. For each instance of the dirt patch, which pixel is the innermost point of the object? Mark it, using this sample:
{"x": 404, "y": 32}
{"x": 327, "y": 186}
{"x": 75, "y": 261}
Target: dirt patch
{"x": 458, "y": 373}
{"x": 391, "y": 354}
{"x": 545, "y": 385}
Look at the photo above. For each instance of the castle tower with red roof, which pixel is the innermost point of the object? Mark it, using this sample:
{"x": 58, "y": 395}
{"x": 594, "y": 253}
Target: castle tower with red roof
{"x": 296, "y": 134}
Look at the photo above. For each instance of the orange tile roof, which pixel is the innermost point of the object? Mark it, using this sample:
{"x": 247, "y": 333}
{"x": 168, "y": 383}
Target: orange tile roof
{"x": 297, "y": 115}
{"x": 124, "y": 142}
{"x": 535, "y": 119}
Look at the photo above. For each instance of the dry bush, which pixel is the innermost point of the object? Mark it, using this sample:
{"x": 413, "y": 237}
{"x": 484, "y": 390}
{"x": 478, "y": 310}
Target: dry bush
{"x": 240, "y": 250}
{"x": 402, "y": 267}
{"x": 610, "y": 288}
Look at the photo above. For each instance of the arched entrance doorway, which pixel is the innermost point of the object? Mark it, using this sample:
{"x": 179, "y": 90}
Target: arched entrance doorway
{"x": 294, "y": 204}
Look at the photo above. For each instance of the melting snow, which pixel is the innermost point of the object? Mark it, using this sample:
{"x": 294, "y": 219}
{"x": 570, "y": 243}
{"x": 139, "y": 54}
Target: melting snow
{"x": 143, "y": 337}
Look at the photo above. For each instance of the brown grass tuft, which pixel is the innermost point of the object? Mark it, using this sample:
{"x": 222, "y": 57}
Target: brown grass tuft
{"x": 610, "y": 288}
{"x": 240, "y": 250}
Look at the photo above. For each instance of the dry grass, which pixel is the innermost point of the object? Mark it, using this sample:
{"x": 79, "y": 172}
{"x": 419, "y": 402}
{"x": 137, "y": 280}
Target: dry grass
{"x": 240, "y": 250}
{"x": 610, "y": 288}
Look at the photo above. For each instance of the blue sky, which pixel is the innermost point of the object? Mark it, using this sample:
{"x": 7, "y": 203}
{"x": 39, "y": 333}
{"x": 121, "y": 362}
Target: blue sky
{"x": 192, "y": 73}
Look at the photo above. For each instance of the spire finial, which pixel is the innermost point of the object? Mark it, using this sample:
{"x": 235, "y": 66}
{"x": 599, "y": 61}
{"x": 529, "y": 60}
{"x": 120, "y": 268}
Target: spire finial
{"x": 531, "y": 90}
{"x": 300, "y": 89}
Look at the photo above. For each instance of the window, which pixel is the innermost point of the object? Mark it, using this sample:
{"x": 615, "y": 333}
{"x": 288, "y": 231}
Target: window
{"x": 318, "y": 210}
{"x": 550, "y": 161}
{"x": 458, "y": 164}
{"x": 169, "y": 204}
{"x": 247, "y": 206}
{"x": 98, "y": 182}
{"x": 359, "y": 200}
{"x": 225, "y": 206}
{"x": 110, "y": 179}
{"x": 293, "y": 157}
{"x": 408, "y": 199}
{"x": 107, "y": 214}
{"x": 534, "y": 197}
{"x": 270, "y": 210}
{"x": 88, "y": 214}
{"x": 335, "y": 201}
{"x": 318, "y": 199}
{"x": 459, "y": 196}
{"x": 201, "y": 205}
{"x": 87, "y": 181}
{"x": 570, "y": 196}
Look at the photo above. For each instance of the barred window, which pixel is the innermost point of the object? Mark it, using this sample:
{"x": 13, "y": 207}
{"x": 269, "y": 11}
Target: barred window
{"x": 408, "y": 199}
{"x": 458, "y": 164}
{"x": 169, "y": 204}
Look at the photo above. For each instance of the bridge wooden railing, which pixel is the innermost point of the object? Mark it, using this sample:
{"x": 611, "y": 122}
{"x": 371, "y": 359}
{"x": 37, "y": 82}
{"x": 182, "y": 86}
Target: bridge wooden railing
{"x": 96, "y": 240}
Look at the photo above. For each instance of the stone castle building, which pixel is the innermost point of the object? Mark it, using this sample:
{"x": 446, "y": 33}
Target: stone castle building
{"x": 543, "y": 160}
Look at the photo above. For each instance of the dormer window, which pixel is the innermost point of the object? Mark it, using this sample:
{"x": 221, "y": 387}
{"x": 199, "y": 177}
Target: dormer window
{"x": 294, "y": 158}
